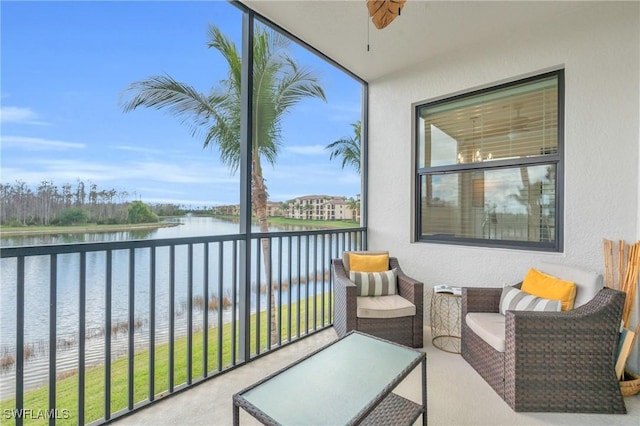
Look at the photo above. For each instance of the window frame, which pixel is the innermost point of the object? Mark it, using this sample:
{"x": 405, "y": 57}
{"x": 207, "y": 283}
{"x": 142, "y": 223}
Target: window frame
{"x": 557, "y": 159}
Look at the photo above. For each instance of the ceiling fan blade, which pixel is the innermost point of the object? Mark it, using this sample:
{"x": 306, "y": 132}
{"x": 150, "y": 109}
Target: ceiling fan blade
{"x": 383, "y": 12}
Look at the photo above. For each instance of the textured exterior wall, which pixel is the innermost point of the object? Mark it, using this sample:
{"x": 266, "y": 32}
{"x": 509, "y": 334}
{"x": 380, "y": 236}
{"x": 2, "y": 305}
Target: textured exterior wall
{"x": 600, "y": 52}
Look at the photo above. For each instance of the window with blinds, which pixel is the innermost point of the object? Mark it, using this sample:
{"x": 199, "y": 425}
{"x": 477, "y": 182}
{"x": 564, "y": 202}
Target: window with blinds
{"x": 489, "y": 166}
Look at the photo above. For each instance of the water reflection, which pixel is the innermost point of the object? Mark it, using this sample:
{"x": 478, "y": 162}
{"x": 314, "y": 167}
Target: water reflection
{"x": 188, "y": 226}
{"x": 299, "y": 280}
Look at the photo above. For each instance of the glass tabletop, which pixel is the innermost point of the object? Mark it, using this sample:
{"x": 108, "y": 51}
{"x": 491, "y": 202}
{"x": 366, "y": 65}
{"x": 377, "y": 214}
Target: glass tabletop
{"x": 333, "y": 385}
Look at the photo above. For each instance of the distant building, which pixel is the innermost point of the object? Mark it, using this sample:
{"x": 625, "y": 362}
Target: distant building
{"x": 229, "y": 210}
{"x": 321, "y": 207}
{"x": 274, "y": 209}
{"x": 308, "y": 207}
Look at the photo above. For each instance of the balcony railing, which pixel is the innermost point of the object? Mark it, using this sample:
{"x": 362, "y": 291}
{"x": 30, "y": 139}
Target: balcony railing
{"x": 102, "y": 329}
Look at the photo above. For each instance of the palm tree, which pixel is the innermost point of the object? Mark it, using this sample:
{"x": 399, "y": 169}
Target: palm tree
{"x": 354, "y": 205}
{"x": 348, "y": 148}
{"x": 278, "y": 85}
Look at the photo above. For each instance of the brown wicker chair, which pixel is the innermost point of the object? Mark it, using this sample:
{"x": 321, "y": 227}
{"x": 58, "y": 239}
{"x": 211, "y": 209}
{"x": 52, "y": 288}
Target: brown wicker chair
{"x": 553, "y": 361}
{"x": 404, "y": 330}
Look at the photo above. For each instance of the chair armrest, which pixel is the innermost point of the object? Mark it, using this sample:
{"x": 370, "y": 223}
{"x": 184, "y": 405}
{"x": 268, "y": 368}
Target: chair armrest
{"x": 341, "y": 279}
{"x": 412, "y": 290}
{"x": 345, "y": 302}
{"x": 580, "y": 343}
{"x": 599, "y": 318}
{"x": 480, "y": 299}
{"x": 409, "y": 288}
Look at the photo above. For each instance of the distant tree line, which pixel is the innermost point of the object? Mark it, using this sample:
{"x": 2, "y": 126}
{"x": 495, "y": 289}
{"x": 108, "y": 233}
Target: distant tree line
{"x": 48, "y": 204}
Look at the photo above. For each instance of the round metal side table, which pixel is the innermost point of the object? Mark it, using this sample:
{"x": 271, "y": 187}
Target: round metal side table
{"x": 445, "y": 321}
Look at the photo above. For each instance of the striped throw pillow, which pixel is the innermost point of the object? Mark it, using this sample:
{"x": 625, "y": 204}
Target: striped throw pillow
{"x": 513, "y": 299}
{"x": 375, "y": 283}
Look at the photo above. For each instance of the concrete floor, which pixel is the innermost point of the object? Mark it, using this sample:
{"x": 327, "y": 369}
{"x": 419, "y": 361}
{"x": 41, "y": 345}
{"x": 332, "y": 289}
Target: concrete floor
{"x": 456, "y": 395}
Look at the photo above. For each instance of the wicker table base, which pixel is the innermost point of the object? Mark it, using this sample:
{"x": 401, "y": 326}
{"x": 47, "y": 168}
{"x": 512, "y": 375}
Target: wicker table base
{"x": 445, "y": 321}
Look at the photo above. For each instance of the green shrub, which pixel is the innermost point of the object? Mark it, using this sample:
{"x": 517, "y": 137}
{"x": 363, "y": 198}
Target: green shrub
{"x": 139, "y": 212}
{"x": 13, "y": 223}
{"x": 72, "y": 216}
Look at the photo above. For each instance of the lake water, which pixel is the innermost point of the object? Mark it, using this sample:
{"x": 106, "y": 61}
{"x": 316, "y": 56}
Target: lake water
{"x": 36, "y": 321}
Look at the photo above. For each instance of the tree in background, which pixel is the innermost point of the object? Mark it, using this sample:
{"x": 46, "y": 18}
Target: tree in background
{"x": 21, "y": 205}
{"x": 279, "y": 83}
{"x": 354, "y": 205}
{"x": 72, "y": 216}
{"x": 348, "y": 148}
{"x": 139, "y": 212}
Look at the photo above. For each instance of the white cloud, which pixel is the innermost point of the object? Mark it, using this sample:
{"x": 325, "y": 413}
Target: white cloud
{"x": 141, "y": 149}
{"x": 346, "y": 112}
{"x": 56, "y": 174}
{"x": 306, "y": 149}
{"x": 182, "y": 181}
{"x": 289, "y": 181}
{"x": 38, "y": 144}
{"x": 183, "y": 201}
{"x": 349, "y": 179}
{"x": 65, "y": 170}
{"x": 178, "y": 173}
{"x": 304, "y": 172}
{"x": 164, "y": 191}
{"x": 10, "y": 114}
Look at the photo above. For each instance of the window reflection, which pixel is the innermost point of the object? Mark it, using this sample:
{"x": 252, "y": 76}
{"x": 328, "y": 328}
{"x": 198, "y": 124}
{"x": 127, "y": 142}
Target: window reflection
{"x": 486, "y": 163}
{"x": 516, "y": 204}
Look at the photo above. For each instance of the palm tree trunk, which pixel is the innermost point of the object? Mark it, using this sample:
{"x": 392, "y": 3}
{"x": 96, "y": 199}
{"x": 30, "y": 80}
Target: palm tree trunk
{"x": 259, "y": 198}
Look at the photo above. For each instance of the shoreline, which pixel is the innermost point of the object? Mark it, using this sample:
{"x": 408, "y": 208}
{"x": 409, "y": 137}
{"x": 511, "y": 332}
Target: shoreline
{"x": 37, "y": 368}
{"x": 80, "y": 229}
{"x": 283, "y": 221}
{"x": 96, "y": 229}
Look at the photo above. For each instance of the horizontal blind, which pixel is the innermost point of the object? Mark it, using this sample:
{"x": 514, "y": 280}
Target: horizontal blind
{"x": 516, "y": 204}
{"x": 514, "y": 122}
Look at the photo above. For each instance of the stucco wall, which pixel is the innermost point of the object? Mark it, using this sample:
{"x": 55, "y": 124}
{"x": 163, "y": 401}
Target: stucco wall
{"x": 600, "y": 53}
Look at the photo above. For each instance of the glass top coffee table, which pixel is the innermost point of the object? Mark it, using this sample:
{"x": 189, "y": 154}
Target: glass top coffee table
{"x": 349, "y": 381}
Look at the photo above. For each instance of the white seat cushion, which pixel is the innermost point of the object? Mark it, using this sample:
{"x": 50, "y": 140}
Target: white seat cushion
{"x": 489, "y": 327}
{"x": 588, "y": 283}
{"x": 394, "y": 306}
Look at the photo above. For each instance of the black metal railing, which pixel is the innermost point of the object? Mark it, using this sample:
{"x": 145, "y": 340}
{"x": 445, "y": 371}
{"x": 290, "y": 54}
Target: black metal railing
{"x": 102, "y": 329}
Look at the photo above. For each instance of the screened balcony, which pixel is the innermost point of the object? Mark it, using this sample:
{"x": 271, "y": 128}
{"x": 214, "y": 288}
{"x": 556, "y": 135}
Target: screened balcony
{"x": 170, "y": 314}
{"x": 433, "y": 51}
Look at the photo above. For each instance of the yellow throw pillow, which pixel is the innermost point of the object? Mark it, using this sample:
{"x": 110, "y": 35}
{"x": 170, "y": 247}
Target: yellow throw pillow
{"x": 544, "y": 285}
{"x": 368, "y": 262}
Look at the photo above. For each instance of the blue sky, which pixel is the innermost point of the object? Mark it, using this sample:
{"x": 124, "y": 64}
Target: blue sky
{"x": 64, "y": 66}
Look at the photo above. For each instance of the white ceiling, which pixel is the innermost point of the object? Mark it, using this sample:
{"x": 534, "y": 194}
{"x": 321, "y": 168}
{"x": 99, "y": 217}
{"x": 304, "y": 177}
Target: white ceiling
{"x": 426, "y": 29}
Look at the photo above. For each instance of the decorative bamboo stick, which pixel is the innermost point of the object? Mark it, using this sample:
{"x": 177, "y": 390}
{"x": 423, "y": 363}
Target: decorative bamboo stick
{"x": 614, "y": 275}
{"x": 630, "y": 283}
{"x": 608, "y": 261}
{"x": 628, "y": 269}
{"x": 621, "y": 266}
{"x": 605, "y": 243}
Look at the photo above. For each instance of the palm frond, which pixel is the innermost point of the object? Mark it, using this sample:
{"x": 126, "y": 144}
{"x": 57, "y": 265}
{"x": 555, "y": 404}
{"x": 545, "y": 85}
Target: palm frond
{"x": 229, "y": 52}
{"x": 161, "y": 92}
{"x": 297, "y": 83}
{"x": 278, "y": 84}
{"x": 347, "y": 148}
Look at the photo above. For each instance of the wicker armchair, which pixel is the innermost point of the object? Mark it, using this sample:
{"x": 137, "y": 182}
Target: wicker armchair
{"x": 553, "y": 361}
{"x": 407, "y": 330}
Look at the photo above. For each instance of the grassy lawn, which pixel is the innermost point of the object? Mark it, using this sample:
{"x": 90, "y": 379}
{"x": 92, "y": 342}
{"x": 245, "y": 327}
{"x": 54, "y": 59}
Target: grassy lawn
{"x": 67, "y": 388}
{"x": 322, "y": 224}
{"x": 318, "y": 224}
